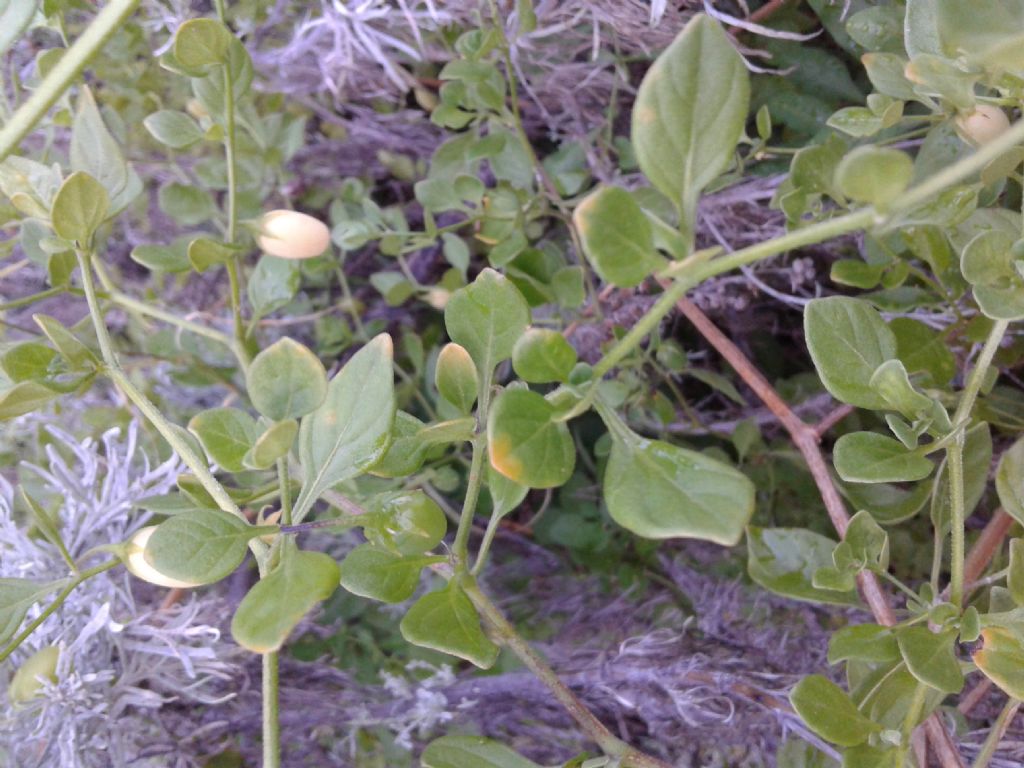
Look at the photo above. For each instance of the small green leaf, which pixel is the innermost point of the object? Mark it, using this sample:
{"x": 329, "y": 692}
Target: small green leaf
{"x": 784, "y": 561}
{"x": 173, "y": 129}
{"x": 848, "y": 340}
{"x": 378, "y": 574}
{"x": 16, "y": 597}
{"x": 866, "y": 542}
{"x": 1001, "y": 659}
{"x": 487, "y": 317}
{"x": 931, "y": 658}
{"x": 201, "y": 43}
{"x": 617, "y": 237}
{"x": 286, "y": 381}
{"x": 188, "y": 205}
{"x": 829, "y": 712}
{"x": 163, "y": 258}
{"x": 868, "y": 457}
{"x": 506, "y": 494}
{"x": 542, "y": 356}
{"x": 67, "y": 344}
{"x": 279, "y": 601}
{"x": 405, "y": 522}
{"x": 891, "y": 381}
{"x": 1010, "y": 480}
{"x": 79, "y": 208}
{"x": 272, "y": 445}
{"x": 456, "y": 378}
{"x": 23, "y": 398}
{"x": 526, "y": 444}
{"x": 863, "y": 642}
{"x": 690, "y": 112}
{"x": 94, "y": 151}
{"x": 227, "y": 434}
{"x": 28, "y": 362}
{"x": 350, "y": 431}
{"x": 446, "y": 621}
{"x": 273, "y": 284}
{"x": 407, "y": 452}
{"x": 201, "y": 546}
{"x": 875, "y": 175}
{"x": 661, "y": 491}
{"x": 471, "y": 752}
{"x": 205, "y": 252}
{"x": 989, "y": 265}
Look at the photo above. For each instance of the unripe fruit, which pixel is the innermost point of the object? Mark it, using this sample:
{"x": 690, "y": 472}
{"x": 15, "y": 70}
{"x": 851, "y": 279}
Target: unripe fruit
{"x": 455, "y": 377}
{"x": 982, "y": 125}
{"x": 292, "y": 235}
{"x": 135, "y": 562}
{"x": 26, "y": 683}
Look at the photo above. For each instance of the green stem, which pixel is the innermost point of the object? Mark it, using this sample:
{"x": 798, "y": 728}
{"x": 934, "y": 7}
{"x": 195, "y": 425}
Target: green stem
{"x": 476, "y": 475}
{"x": 134, "y": 305}
{"x": 271, "y": 721}
{"x": 913, "y": 714}
{"x": 507, "y": 635}
{"x": 64, "y": 72}
{"x": 286, "y": 491}
{"x": 988, "y": 749}
{"x": 48, "y": 611}
{"x": 167, "y": 430}
{"x": 977, "y": 377}
{"x": 955, "y": 471}
{"x": 24, "y": 301}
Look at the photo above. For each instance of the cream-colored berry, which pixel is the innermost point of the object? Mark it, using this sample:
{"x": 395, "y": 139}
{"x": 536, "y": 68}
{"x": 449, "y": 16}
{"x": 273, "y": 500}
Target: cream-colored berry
{"x": 135, "y": 562}
{"x": 982, "y": 125}
{"x": 293, "y": 235}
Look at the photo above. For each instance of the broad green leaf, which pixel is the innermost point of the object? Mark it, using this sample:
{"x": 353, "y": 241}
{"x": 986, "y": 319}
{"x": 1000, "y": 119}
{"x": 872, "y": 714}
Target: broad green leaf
{"x": 506, "y": 494}
{"x": 864, "y": 642}
{"x": 273, "y": 284}
{"x": 848, "y": 340}
{"x": 446, "y": 621}
{"x": 227, "y": 434}
{"x": 173, "y": 129}
{"x": 350, "y": 431}
{"x": 471, "y": 752}
{"x": 874, "y": 175}
{"x": 884, "y": 692}
{"x": 272, "y": 445}
{"x": 94, "y": 151}
{"x": 487, "y": 317}
{"x": 891, "y": 381}
{"x": 931, "y": 658}
{"x": 286, "y": 381}
{"x": 888, "y": 504}
{"x": 405, "y": 522}
{"x": 690, "y": 112}
{"x": 201, "y": 43}
{"x": 1001, "y": 659}
{"x": 280, "y": 600}
{"x": 406, "y": 453}
{"x": 923, "y": 350}
{"x": 23, "y": 398}
{"x": 661, "y": 491}
{"x": 76, "y": 353}
{"x": 201, "y": 546}
{"x": 1010, "y": 480}
{"x": 617, "y": 237}
{"x": 29, "y": 361}
{"x": 542, "y": 355}
{"x": 79, "y": 208}
{"x": 456, "y": 378}
{"x": 989, "y": 265}
{"x": 16, "y": 597}
{"x": 163, "y": 258}
{"x": 187, "y": 204}
{"x": 829, "y": 712}
{"x": 784, "y": 561}
{"x": 868, "y": 457}
{"x": 526, "y": 444}
{"x": 379, "y": 574}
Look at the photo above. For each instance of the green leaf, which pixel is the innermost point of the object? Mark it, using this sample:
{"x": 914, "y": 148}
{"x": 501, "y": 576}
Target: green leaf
{"x": 15, "y": 17}
{"x": 506, "y": 494}
{"x": 784, "y": 561}
{"x": 406, "y": 453}
{"x": 27, "y": 683}
{"x": 163, "y": 258}
{"x": 848, "y": 340}
{"x": 487, "y": 317}
{"x": 526, "y": 444}
{"x": 661, "y": 491}
{"x": 80, "y": 206}
{"x": 977, "y": 458}
{"x": 888, "y": 504}
{"x": 923, "y": 350}
{"x": 866, "y": 542}
{"x": 350, "y": 431}
{"x": 471, "y": 752}
{"x": 829, "y": 712}
{"x": 286, "y": 381}
{"x": 202, "y": 43}
{"x": 279, "y": 601}
{"x": 273, "y": 284}
{"x": 272, "y": 445}
{"x": 188, "y": 205}
{"x": 379, "y": 574}
{"x": 690, "y": 112}
{"x": 16, "y": 597}
{"x": 456, "y": 378}
{"x": 891, "y": 381}
{"x": 617, "y": 237}
{"x": 405, "y": 522}
{"x": 94, "y": 151}
{"x": 988, "y": 264}
{"x": 28, "y": 361}
{"x": 1010, "y": 480}
{"x": 23, "y": 398}
{"x": 542, "y": 355}
{"x": 201, "y": 546}
{"x": 227, "y": 434}
{"x": 173, "y": 129}
{"x": 863, "y": 642}
{"x": 931, "y": 658}
{"x": 1015, "y": 575}
{"x": 205, "y": 252}
{"x": 1001, "y": 659}
{"x": 875, "y": 175}
{"x": 76, "y": 353}
{"x": 868, "y": 457}
{"x": 446, "y": 621}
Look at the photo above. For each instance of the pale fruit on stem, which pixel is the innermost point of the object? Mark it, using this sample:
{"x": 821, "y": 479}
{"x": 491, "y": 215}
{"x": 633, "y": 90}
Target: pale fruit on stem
{"x": 982, "y": 125}
{"x": 292, "y": 235}
{"x": 135, "y": 562}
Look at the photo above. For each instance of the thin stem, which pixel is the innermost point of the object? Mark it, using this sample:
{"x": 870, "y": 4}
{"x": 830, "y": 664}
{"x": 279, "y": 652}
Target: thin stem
{"x": 286, "y": 491}
{"x": 58, "y": 601}
{"x": 271, "y": 721}
{"x": 24, "y": 301}
{"x": 476, "y": 468}
{"x": 955, "y": 470}
{"x": 65, "y": 71}
{"x": 977, "y": 377}
{"x": 507, "y": 635}
{"x": 913, "y": 713}
{"x": 126, "y": 301}
{"x": 988, "y": 749}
